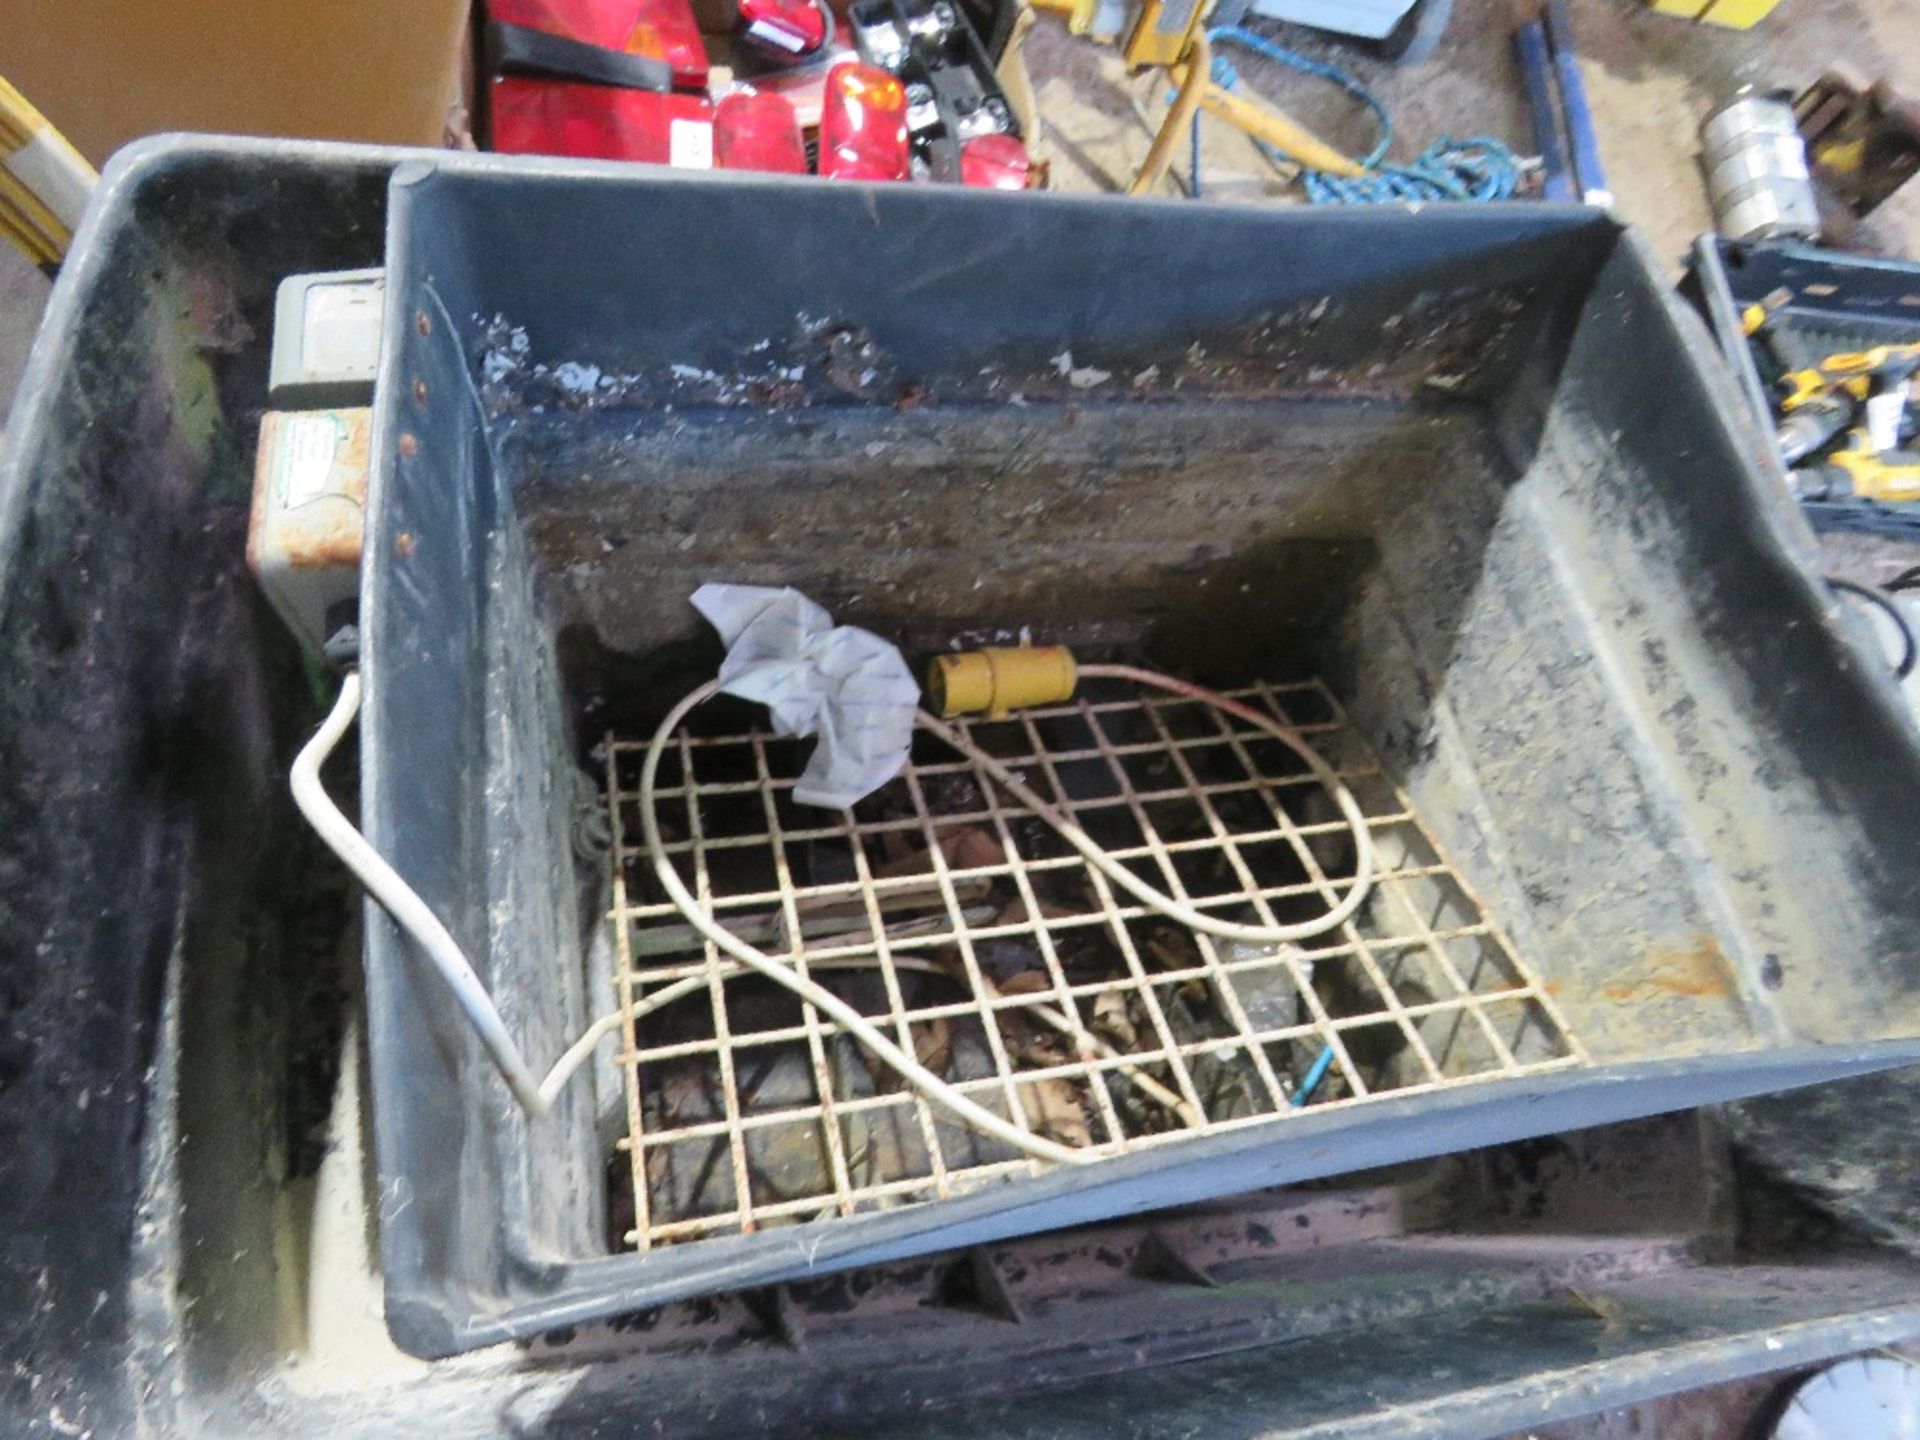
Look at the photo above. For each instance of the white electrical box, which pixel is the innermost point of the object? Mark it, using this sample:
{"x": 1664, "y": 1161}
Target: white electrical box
{"x": 326, "y": 339}
{"x": 309, "y": 517}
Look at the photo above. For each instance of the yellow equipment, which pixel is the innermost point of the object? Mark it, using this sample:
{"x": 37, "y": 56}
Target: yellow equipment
{"x": 44, "y": 181}
{"x": 1000, "y": 679}
{"x": 1857, "y": 471}
{"x": 1757, "y": 316}
{"x": 1171, "y": 35}
{"x": 1730, "y": 14}
{"x": 1162, "y": 33}
{"x": 1856, "y": 372}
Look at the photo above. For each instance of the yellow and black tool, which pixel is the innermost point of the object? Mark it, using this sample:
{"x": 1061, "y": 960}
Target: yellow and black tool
{"x": 1857, "y": 373}
{"x": 1857, "y": 471}
{"x": 1812, "y": 426}
{"x": 1759, "y": 315}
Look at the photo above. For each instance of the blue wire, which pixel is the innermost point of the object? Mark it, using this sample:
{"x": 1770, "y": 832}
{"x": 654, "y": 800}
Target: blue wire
{"x": 1316, "y": 1072}
{"x": 1478, "y": 169}
{"x": 1193, "y": 166}
{"x": 1481, "y": 168}
{"x": 1226, "y": 77}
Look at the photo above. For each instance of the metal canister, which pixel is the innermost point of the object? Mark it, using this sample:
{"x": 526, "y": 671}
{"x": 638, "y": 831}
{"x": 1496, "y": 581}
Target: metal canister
{"x": 1756, "y": 168}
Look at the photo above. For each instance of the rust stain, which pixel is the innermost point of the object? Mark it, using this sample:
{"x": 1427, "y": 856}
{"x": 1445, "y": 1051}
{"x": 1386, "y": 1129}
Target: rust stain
{"x": 328, "y": 546}
{"x": 1698, "y": 971}
{"x": 319, "y": 532}
{"x": 262, "y": 490}
{"x": 351, "y": 464}
{"x": 330, "y": 536}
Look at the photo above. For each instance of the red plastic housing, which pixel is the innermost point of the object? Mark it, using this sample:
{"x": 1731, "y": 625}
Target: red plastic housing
{"x": 786, "y": 27}
{"x": 863, "y": 125}
{"x": 995, "y": 162}
{"x": 662, "y": 29}
{"x": 757, "y": 132}
{"x": 545, "y": 117}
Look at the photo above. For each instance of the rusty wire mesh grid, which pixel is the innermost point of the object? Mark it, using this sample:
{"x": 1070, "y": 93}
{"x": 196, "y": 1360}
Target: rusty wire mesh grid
{"x": 993, "y": 953}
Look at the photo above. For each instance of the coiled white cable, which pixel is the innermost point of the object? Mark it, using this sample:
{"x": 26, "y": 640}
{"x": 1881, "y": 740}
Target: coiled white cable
{"x": 1069, "y": 830}
{"x": 925, "y": 1081}
{"x": 414, "y": 916}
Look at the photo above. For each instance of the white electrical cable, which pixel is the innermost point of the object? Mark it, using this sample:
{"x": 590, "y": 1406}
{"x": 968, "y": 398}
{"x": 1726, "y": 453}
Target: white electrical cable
{"x": 849, "y": 1019}
{"x": 409, "y": 911}
{"x": 691, "y": 985}
{"x": 925, "y": 1081}
{"x": 414, "y": 916}
{"x": 1065, "y": 826}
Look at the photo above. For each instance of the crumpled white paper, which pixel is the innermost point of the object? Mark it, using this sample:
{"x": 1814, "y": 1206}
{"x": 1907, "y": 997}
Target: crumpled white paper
{"x": 844, "y": 684}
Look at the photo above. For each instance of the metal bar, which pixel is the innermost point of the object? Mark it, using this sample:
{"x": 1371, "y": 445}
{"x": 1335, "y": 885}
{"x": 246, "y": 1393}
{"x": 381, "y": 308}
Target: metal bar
{"x": 797, "y": 1034}
{"x": 1530, "y": 52}
{"x": 1062, "y": 992}
{"x": 799, "y": 1115}
{"x": 717, "y": 995}
{"x": 897, "y": 1005}
{"x": 1123, "y": 938}
{"x": 1363, "y": 954}
{"x": 641, "y": 1235}
{"x": 996, "y": 1042}
{"x": 1206, "y": 946}
{"x": 1323, "y": 1020}
{"x": 797, "y": 957}
{"x": 1589, "y": 177}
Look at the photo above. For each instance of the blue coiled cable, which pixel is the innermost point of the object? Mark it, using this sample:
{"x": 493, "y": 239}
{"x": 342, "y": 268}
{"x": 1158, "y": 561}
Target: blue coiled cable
{"x": 1480, "y": 168}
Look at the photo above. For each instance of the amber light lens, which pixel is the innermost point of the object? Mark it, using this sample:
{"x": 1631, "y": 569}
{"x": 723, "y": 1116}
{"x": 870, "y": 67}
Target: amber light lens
{"x": 863, "y": 124}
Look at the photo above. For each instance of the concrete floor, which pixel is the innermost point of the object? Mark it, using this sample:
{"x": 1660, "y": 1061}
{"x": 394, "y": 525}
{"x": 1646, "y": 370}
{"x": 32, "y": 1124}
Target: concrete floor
{"x": 1650, "y": 79}
{"x": 23, "y": 295}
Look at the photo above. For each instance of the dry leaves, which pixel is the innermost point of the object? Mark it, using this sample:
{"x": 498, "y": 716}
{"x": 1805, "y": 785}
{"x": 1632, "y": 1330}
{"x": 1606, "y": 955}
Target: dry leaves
{"x": 1112, "y": 1019}
{"x": 968, "y": 847}
{"x": 1172, "y": 948}
{"x": 933, "y": 1044}
{"x": 1027, "y": 982}
{"x": 1053, "y": 1108}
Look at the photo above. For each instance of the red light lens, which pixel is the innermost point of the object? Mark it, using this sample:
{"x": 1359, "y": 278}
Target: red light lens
{"x": 540, "y": 117}
{"x": 863, "y": 124}
{"x": 995, "y": 162}
{"x": 662, "y": 29}
{"x": 786, "y": 27}
{"x": 758, "y": 132}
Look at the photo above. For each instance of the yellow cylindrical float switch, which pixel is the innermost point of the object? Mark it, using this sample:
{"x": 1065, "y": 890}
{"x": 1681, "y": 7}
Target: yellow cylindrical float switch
{"x": 1000, "y": 679}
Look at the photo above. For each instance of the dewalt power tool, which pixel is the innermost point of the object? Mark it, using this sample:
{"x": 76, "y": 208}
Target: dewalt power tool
{"x": 1856, "y": 373}
{"x": 1821, "y": 401}
{"x": 1857, "y": 471}
{"x": 1811, "y": 426}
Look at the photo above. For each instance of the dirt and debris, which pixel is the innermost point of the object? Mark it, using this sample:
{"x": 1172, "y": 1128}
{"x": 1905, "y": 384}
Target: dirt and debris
{"x": 1436, "y": 343}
